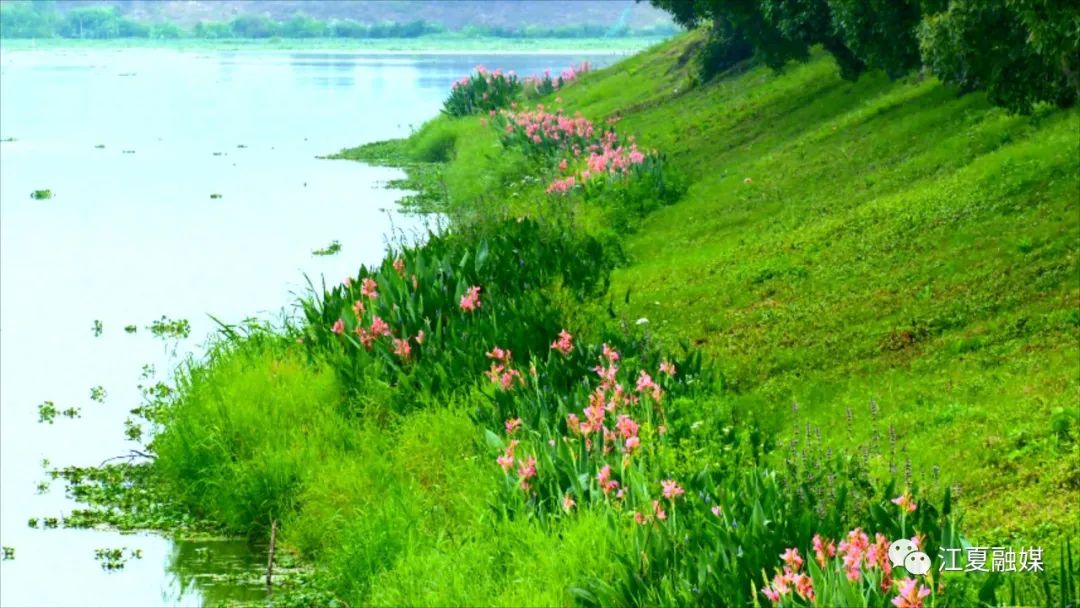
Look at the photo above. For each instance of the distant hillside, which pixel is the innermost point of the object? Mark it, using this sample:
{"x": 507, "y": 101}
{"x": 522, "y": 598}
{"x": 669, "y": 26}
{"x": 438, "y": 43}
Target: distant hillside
{"x": 454, "y": 15}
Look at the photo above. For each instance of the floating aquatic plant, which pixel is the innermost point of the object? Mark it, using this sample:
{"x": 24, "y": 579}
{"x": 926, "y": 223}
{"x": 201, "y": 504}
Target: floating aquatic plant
{"x": 98, "y": 328}
{"x": 116, "y": 558}
{"x": 170, "y": 328}
{"x": 41, "y": 195}
{"x": 98, "y": 393}
{"x": 9, "y": 553}
{"x": 131, "y": 329}
{"x": 47, "y": 412}
{"x": 331, "y": 249}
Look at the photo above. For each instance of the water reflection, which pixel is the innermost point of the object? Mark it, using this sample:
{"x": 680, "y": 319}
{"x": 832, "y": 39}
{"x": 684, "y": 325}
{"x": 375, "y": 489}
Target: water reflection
{"x": 220, "y": 572}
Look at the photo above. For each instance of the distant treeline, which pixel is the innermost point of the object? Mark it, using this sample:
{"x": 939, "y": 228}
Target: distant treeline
{"x": 42, "y": 20}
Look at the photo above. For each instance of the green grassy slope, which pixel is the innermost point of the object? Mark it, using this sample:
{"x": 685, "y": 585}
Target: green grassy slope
{"x": 847, "y": 242}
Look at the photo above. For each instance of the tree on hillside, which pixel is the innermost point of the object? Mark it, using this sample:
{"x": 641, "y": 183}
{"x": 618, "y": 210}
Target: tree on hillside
{"x": 1020, "y": 52}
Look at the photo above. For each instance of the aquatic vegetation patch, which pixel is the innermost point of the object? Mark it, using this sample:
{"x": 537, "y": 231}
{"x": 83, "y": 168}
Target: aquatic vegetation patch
{"x": 98, "y": 393}
{"x": 97, "y": 328}
{"x": 41, "y": 195}
{"x": 115, "y": 558}
{"x": 333, "y": 248}
{"x": 170, "y": 328}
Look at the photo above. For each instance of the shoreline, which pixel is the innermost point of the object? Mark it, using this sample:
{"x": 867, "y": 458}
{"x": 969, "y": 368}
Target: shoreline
{"x": 384, "y": 46}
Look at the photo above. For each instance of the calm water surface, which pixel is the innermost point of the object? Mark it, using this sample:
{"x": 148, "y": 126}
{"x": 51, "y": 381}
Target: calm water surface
{"x": 132, "y": 234}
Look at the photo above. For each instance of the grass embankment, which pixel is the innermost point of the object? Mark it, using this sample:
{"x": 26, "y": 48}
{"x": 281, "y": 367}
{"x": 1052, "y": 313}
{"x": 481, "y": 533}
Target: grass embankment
{"x": 836, "y": 243}
{"x": 841, "y": 243}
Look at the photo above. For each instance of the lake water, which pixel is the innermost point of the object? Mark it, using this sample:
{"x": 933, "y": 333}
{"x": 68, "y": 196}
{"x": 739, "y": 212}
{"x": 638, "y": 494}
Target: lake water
{"x": 132, "y": 234}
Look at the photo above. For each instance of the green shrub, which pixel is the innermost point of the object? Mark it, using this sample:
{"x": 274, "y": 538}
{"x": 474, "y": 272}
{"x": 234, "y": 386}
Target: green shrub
{"x": 482, "y": 91}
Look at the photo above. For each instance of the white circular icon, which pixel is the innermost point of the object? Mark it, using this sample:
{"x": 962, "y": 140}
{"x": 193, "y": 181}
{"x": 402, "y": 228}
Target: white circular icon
{"x": 917, "y": 563}
{"x": 899, "y": 550}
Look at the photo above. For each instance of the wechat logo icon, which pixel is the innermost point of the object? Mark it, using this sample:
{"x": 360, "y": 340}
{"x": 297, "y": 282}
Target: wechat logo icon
{"x": 904, "y": 553}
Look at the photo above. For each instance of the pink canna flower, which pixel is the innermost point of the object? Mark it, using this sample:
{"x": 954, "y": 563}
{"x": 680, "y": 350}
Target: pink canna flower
{"x": 399, "y": 266}
{"x": 607, "y": 375}
{"x": 505, "y": 461}
{"x": 562, "y": 165}
{"x": 823, "y": 549}
{"x": 627, "y": 427}
{"x": 573, "y": 424}
{"x": 564, "y": 344}
{"x": 402, "y": 348}
{"x": 568, "y": 502}
{"x": 610, "y": 354}
{"x": 379, "y": 327}
{"x": 645, "y": 384}
{"x": 368, "y": 288}
{"x": 527, "y": 471}
{"x": 910, "y": 596}
{"x": 471, "y": 300}
{"x": 365, "y": 338}
{"x": 499, "y": 354}
{"x": 918, "y": 540}
{"x": 419, "y": 337}
{"x": 338, "y": 327}
{"x": 792, "y": 558}
{"x": 658, "y": 510}
{"x": 773, "y": 596}
{"x": 672, "y": 489}
{"x": 905, "y": 502}
{"x": 604, "y": 475}
{"x": 632, "y": 444}
{"x": 667, "y": 368}
{"x": 716, "y": 510}
{"x": 512, "y": 425}
{"x": 358, "y": 308}
{"x": 804, "y": 586}
{"x": 781, "y": 583}
{"x": 506, "y": 380}
{"x": 639, "y": 518}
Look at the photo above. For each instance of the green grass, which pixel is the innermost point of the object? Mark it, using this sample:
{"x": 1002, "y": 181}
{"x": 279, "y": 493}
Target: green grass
{"x": 841, "y": 243}
{"x": 431, "y": 43}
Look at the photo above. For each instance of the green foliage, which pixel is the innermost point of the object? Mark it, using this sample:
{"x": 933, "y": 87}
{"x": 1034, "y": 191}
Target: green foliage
{"x": 1021, "y": 52}
{"x": 1018, "y": 58}
{"x": 482, "y": 91}
{"x": 408, "y": 323}
{"x": 235, "y": 442}
{"x": 881, "y": 33}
